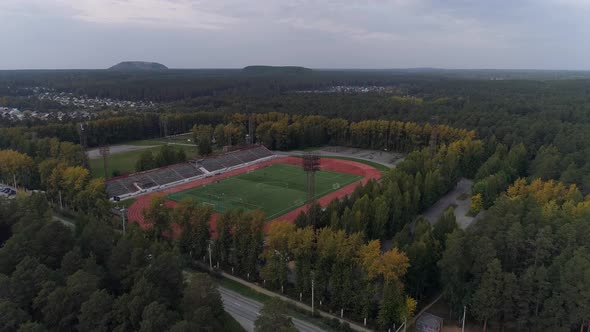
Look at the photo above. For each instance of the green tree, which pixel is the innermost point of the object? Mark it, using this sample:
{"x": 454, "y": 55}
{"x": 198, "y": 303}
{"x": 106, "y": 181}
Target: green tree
{"x": 97, "y": 239}
{"x": 201, "y": 303}
{"x": 193, "y": 220}
{"x": 146, "y": 161}
{"x": 546, "y": 163}
{"x": 156, "y": 317}
{"x": 166, "y": 156}
{"x": 157, "y": 216}
{"x": 445, "y": 225}
{"x": 11, "y": 316}
{"x": 202, "y": 136}
{"x": 487, "y": 300}
{"x": 454, "y": 271}
{"x": 223, "y": 243}
{"x": 277, "y": 254}
{"x": 96, "y": 313}
{"x": 31, "y": 327}
{"x": 273, "y": 318}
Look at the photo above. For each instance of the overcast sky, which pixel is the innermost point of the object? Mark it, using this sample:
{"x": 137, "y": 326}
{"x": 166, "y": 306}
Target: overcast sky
{"x": 527, "y": 34}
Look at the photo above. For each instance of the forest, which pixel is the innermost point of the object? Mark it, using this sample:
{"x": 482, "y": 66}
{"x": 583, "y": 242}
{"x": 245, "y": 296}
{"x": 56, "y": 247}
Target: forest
{"x": 524, "y": 265}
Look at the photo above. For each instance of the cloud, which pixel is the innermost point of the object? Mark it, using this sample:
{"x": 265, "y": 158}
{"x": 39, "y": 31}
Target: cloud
{"x": 155, "y": 13}
{"x": 325, "y": 33}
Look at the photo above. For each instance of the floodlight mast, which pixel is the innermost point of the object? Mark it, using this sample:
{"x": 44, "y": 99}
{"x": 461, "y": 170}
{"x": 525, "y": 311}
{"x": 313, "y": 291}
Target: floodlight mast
{"x": 104, "y": 152}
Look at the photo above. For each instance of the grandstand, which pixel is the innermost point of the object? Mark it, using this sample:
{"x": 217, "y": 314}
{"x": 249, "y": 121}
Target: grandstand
{"x": 234, "y": 158}
{"x": 138, "y": 183}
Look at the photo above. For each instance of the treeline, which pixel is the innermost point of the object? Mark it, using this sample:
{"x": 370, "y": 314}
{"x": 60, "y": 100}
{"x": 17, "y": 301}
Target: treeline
{"x": 54, "y": 279}
{"x": 349, "y": 274}
{"x": 279, "y": 131}
{"x": 497, "y": 173}
{"x": 380, "y": 210}
{"x": 550, "y": 118}
{"x": 389, "y": 209}
{"x": 274, "y": 130}
{"x": 117, "y": 129}
{"x": 174, "y": 85}
{"x": 54, "y": 166}
{"x": 525, "y": 265}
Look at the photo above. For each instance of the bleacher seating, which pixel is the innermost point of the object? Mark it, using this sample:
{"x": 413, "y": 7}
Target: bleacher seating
{"x": 187, "y": 171}
{"x": 116, "y": 188}
{"x": 150, "y": 179}
{"x": 145, "y": 181}
{"x": 247, "y": 156}
{"x": 234, "y": 158}
{"x": 166, "y": 175}
{"x": 211, "y": 164}
{"x": 261, "y": 152}
{"x": 128, "y": 183}
{"x": 229, "y": 160}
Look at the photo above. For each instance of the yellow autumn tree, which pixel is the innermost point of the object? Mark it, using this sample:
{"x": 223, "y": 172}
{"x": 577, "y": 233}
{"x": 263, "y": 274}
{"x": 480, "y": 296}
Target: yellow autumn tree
{"x": 394, "y": 266}
{"x": 476, "y": 204}
{"x": 276, "y": 253}
{"x": 15, "y": 167}
{"x": 370, "y": 258}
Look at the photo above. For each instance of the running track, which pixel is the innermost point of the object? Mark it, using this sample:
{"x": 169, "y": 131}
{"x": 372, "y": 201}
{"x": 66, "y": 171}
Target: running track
{"x": 337, "y": 165}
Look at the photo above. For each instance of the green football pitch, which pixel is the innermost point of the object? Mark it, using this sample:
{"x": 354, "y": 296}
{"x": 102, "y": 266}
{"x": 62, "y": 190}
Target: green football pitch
{"x": 276, "y": 189}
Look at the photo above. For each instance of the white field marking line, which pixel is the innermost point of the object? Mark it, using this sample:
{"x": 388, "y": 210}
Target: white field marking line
{"x": 294, "y": 206}
{"x": 318, "y": 195}
{"x": 281, "y": 212}
{"x": 231, "y": 199}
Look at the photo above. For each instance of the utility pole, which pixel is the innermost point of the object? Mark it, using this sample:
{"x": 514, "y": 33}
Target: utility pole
{"x": 312, "y": 303}
{"x": 210, "y": 262}
{"x": 463, "y": 325}
{"x": 123, "y": 216}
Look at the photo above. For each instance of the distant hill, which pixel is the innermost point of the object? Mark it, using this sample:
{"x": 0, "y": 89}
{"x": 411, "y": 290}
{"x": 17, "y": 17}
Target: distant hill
{"x": 138, "y": 66}
{"x": 276, "y": 70}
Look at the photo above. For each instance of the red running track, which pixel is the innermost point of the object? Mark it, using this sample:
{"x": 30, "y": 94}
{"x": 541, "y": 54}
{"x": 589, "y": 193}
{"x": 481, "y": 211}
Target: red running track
{"x": 337, "y": 165}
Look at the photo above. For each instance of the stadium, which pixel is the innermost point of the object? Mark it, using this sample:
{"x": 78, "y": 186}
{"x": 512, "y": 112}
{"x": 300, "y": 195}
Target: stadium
{"x": 251, "y": 178}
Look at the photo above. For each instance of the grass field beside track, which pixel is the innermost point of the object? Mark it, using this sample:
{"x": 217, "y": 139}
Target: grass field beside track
{"x": 276, "y": 189}
{"x": 124, "y": 162}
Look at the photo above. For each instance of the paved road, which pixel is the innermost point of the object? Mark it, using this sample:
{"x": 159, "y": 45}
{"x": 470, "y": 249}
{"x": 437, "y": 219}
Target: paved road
{"x": 246, "y": 311}
{"x": 461, "y": 205}
{"x": 64, "y": 221}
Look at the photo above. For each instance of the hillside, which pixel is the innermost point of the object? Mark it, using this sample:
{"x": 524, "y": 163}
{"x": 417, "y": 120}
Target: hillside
{"x": 276, "y": 70}
{"x": 138, "y": 66}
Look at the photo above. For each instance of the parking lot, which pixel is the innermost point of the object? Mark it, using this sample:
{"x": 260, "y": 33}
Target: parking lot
{"x": 6, "y": 191}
